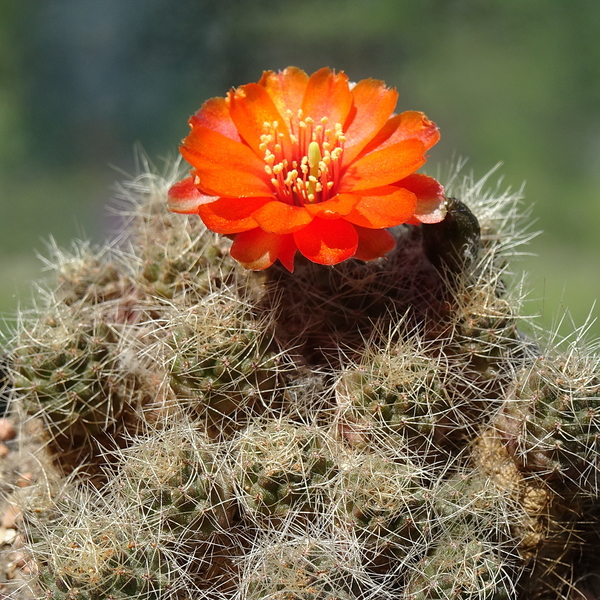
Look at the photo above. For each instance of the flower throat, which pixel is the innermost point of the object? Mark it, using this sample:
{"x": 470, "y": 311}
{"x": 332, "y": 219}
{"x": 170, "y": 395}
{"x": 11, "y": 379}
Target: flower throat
{"x": 310, "y": 171}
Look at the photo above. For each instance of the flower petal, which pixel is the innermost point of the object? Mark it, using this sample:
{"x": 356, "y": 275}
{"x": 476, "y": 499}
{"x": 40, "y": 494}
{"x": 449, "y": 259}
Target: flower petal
{"x": 231, "y": 215}
{"x": 379, "y": 212}
{"x": 251, "y": 107}
{"x": 385, "y": 166}
{"x": 373, "y": 243}
{"x": 431, "y": 202}
{"x": 256, "y": 249}
{"x": 327, "y": 242}
{"x": 328, "y": 95}
{"x": 286, "y": 88}
{"x": 225, "y": 167}
{"x": 214, "y": 114}
{"x": 334, "y": 208}
{"x": 373, "y": 105}
{"x": 185, "y": 198}
{"x": 406, "y": 125}
{"x": 278, "y": 217}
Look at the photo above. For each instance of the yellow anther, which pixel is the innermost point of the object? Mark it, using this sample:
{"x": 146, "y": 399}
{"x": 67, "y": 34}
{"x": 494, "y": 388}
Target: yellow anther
{"x": 329, "y": 185}
{"x": 309, "y": 120}
{"x": 335, "y": 155}
{"x": 324, "y": 120}
{"x": 268, "y": 170}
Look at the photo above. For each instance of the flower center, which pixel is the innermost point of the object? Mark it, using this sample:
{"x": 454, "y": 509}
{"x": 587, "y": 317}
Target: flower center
{"x": 310, "y": 170}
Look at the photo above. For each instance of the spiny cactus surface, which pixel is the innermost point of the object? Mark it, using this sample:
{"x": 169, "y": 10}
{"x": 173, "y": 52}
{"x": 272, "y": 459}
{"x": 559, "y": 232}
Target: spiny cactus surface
{"x": 370, "y": 430}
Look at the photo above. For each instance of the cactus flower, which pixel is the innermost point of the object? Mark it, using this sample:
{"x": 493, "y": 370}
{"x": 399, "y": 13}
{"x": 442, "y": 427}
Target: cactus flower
{"x": 312, "y": 164}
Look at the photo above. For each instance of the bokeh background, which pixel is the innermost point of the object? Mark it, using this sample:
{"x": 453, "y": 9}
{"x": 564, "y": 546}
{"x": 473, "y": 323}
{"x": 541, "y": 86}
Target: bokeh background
{"x": 516, "y": 81}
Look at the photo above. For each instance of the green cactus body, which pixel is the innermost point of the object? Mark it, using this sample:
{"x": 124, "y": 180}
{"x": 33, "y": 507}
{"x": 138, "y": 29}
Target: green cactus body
{"x": 70, "y": 374}
{"x": 460, "y": 567}
{"x": 187, "y": 265}
{"x": 283, "y": 468}
{"x": 88, "y": 278}
{"x": 129, "y": 573}
{"x": 551, "y": 420}
{"x": 386, "y": 505}
{"x": 487, "y": 336}
{"x": 175, "y": 481}
{"x": 223, "y": 364}
{"x": 394, "y": 394}
{"x": 303, "y": 569}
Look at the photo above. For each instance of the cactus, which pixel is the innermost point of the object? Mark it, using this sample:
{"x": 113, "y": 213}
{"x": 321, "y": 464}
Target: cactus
{"x": 174, "y": 481}
{"x": 551, "y": 419}
{"x": 460, "y": 566}
{"x": 283, "y": 467}
{"x": 221, "y": 360}
{"x": 369, "y": 430}
{"x": 85, "y": 552}
{"x": 396, "y": 391}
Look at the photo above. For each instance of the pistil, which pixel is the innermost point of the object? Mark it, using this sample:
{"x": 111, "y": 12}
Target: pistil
{"x": 310, "y": 171}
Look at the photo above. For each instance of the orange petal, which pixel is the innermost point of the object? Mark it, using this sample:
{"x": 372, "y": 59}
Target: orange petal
{"x": 327, "y": 95}
{"x": 231, "y": 215}
{"x": 373, "y": 243}
{"x": 431, "y": 202}
{"x": 334, "y": 208}
{"x": 286, "y": 88}
{"x": 379, "y": 212}
{"x": 407, "y": 125}
{"x": 327, "y": 242}
{"x": 256, "y": 249}
{"x": 251, "y": 107}
{"x": 373, "y": 105}
{"x": 184, "y": 197}
{"x": 214, "y": 114}
{"x": 383, "y": 167}
{"x": 225, "y": 167}
{"x": 278, "y": 217}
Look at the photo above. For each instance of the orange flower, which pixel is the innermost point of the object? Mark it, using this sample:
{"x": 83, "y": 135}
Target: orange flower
{"x": 314, "y": 164}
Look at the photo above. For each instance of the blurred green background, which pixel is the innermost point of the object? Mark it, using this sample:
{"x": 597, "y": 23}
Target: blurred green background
{"x": 517, "y": 81}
